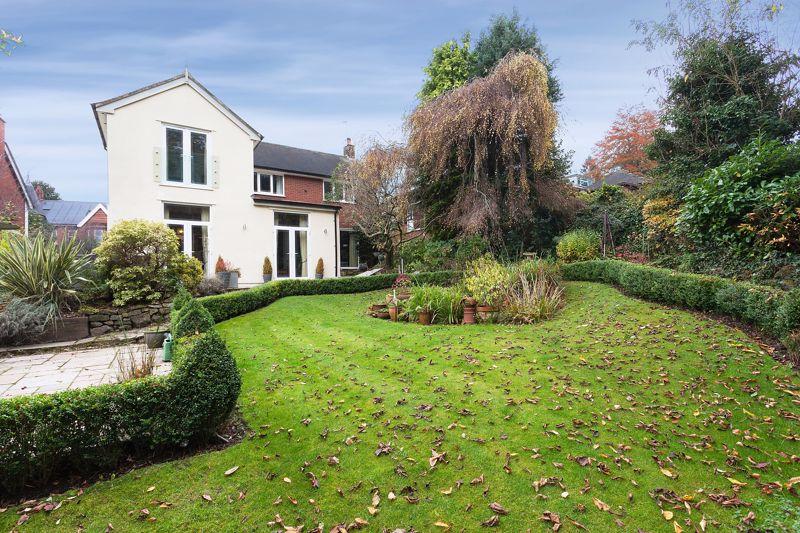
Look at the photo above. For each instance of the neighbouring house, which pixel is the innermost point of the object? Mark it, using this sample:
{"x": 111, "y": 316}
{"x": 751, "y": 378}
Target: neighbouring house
{"x": 179, "y": 155}
{"x": 87, "y": 221}
{"x": 617, "y": 177}
{"x": 16, "y": 199}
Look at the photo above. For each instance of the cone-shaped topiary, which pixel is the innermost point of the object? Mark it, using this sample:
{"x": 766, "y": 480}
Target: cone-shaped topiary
{"x": 191, "y": 319}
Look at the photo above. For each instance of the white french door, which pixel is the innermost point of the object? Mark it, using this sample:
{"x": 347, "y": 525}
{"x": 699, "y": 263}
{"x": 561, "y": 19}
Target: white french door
{"x": 291, "y": 252}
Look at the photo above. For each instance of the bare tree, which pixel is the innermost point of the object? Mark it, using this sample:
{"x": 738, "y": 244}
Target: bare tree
{"x": 379, "y": 183}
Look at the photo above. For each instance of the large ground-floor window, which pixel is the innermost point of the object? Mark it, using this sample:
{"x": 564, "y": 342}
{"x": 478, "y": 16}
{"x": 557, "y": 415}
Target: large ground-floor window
{"x": 190, "y": 223}
{"x": 348, "y": 249}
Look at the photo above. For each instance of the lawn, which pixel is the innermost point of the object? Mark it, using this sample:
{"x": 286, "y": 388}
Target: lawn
{"x": 616, "y": 414}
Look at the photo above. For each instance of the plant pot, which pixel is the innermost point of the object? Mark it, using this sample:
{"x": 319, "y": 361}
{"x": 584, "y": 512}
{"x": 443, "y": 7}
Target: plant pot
{"x": 229, "y": 279}
{"x": 393, "y": 313}
{"x": 154, "y": 339}
{"x": 267, "y": 277}
{"x": 469, "y": 314}
{"x": 382, "y": 314}
{"x": 485, "y": 311}
{"x": 403, "y": 294}
{"x": 378, "y": 308}
{"x": 318, "y": 276}
{"x": 424, "y": 318}
{"x": 65, "y": 329}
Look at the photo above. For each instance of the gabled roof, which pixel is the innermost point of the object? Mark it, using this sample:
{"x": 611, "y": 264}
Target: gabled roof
{"x": 619, "y": 177}
{"x": 29, "y": 199}
{"x": 68, "y": 212}
{"x": 106, "y": 107}
{"x": 289, "y": 159}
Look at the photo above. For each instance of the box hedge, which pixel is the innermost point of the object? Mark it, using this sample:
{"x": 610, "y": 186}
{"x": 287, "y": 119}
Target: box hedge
{"x": 231, "y": 304}
{"x": 89, "y": 430}
{"x": 190, "y": 319}
{"x": 774, "y": 311}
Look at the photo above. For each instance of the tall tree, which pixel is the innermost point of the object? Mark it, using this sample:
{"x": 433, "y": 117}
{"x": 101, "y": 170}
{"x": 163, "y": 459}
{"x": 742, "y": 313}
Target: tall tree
{"x": 485, "y": 141}
{"x": 623, "y": 145}
{"x": 731, "y": 81}
{"x": 8, "y": 41}
{"x": 48, "y": 191}
{"x": 450, "y": 67}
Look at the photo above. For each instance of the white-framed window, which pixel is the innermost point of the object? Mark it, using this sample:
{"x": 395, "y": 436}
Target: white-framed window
{"x": 348, "y": 249}
{"x": 410, "y": 223}
{"x": 186, "y": 154}
{"x": 268, "y": 183}
{"x": 336, "y": 191}
{"x": 190, "y": 223}
{"x": 583, "y": 182}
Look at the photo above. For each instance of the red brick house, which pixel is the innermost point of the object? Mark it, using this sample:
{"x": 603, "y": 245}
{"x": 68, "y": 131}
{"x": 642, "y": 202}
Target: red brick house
{"x": 16, "y": 197}
{"x": 86, "y": 220}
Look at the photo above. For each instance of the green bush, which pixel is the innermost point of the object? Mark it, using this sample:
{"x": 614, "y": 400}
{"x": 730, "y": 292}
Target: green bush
{"x": 142, "y": 262}
{"x": 189, "y": 271}
{"x": 89, "y": 430}
{"x": 43, "y": 270}
{"x": 578, "y": 245}
{"x": 624, "y": 210}
{"x": 428, "y": 255}
{"x": 444, "y": 303}
{"x": 485, "y": 280}
{"x": 191, "y": 319}
{"x": 22, "y": 321}
{"x": 775, "y": 311}
{"x": 231, "y": 304}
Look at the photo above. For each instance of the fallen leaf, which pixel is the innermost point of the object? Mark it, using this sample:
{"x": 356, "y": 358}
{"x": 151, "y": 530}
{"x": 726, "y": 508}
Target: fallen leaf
{"x": 231, "y": 470}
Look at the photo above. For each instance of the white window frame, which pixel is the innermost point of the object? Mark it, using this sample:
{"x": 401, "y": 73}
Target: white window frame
{"x": 187, "y": 157}
{"x": 187, "y": 230}
{"x": 350, "y": 233}
{"x": 344, "y": 200}
{"x": 272, "y": 175}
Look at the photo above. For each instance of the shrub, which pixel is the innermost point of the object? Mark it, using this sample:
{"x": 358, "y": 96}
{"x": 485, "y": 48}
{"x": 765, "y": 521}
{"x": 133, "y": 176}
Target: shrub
{"x": 751, "y": 199}
{"x": 444, "y": 303}
{"x": 530, "y": 300}
{"x": 38, "y": 435}
{"x": 231, "y": 304}
{"x": 578, "y": 245}
{"x": 774, "y": 311}
{"x": 189, "y": 271}
{"x": 320, "y": 270}
{"x": 22, "y": 321}
{"x": 141, "y": 260}
{"x": 192, "y": 318}
{"x": 210, "y": 287}
{"x": 266, "y": 268}
{"x": 182, "y": 298}
{"x": 427, "y": 255}
{"x": 624, "y": 212}
{"x": 43, "y": 270}
{"x": 485, "y": 280}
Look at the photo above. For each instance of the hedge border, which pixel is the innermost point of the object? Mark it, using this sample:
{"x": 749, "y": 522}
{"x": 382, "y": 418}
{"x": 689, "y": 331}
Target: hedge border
{"x": 225, "y": 306}
{"x": 772, "y": 310}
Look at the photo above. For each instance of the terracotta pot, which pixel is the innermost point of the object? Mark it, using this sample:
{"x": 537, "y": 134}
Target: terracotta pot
{"x": 382, "y": 314}
{"x": 393, "y": 313}
{"x": 403, "y": 294}
{"x": 469, "y": 314}
{"x": 485, "y": 311}
{"x": 425, "y": 318}
{"x": 377, "y": 307}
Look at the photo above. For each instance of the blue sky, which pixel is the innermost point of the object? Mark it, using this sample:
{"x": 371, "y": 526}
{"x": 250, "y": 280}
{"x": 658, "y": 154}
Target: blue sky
{"x": 307, "y": 74}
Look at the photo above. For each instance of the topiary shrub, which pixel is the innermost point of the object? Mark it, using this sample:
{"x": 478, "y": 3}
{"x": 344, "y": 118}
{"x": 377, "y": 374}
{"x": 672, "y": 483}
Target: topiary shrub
{"x": 84, "y": 431}
{"x": 142, "y": 262}
{"x": 191, "y": 319}
{"x": 578, "y": 245}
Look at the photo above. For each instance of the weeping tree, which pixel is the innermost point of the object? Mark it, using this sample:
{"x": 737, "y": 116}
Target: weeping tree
{"x": 490, "y": 140}
{"x": 379, "y": 183}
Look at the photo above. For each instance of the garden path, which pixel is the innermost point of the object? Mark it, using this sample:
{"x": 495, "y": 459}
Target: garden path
{"x": 49, "y": 372}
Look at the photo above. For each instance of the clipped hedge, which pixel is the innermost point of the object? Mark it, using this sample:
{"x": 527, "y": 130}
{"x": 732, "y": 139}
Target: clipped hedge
{"x": 89, "y": 430}
{"x": 190, "y": 319}
{"x": 231, "y": 304}
{"x": 775, "y": 311}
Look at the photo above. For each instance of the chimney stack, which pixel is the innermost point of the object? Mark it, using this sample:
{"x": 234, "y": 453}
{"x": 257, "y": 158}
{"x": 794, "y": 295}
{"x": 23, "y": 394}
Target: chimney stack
{"x": 349, "y": 149}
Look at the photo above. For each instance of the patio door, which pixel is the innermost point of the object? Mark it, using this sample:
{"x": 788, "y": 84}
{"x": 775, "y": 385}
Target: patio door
{"x": 291, "y": 245}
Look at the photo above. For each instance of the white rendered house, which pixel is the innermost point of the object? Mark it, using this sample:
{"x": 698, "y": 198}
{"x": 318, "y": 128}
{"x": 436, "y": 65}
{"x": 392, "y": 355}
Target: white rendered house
{"x": 177, "y": 154}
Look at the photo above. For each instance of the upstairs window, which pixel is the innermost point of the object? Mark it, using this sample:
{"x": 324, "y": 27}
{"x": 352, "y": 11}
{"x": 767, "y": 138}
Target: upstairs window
{"x": 335, "y": 191}
{"x": 187, "y": 156}
{"x": 266, "y": 183}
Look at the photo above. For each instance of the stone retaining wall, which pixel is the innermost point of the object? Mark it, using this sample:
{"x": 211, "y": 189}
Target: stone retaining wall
{"x": 135, "y": 316}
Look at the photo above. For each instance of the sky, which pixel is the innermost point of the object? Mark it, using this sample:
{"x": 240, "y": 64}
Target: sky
{"x": 303, "y": 73}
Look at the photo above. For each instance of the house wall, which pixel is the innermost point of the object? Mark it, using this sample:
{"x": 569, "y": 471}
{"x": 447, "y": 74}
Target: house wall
{"x": 239, "y": 231}
{"x": 12, "y": 199}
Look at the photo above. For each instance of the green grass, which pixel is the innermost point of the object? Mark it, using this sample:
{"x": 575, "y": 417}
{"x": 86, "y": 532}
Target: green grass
{"x": 620, "y": 381}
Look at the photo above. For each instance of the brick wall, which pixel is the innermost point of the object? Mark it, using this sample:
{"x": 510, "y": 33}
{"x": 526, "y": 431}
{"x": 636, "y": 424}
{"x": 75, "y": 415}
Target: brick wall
{"x": 302, "y": 189}
{"x": 12, "y": 199}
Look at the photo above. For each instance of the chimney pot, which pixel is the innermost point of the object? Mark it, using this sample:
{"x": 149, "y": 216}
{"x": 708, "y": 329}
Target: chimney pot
{"x": 349, "y": 149}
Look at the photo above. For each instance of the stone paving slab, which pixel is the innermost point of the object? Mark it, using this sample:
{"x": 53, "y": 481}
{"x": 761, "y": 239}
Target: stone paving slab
{"x": 52, "y": 372}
